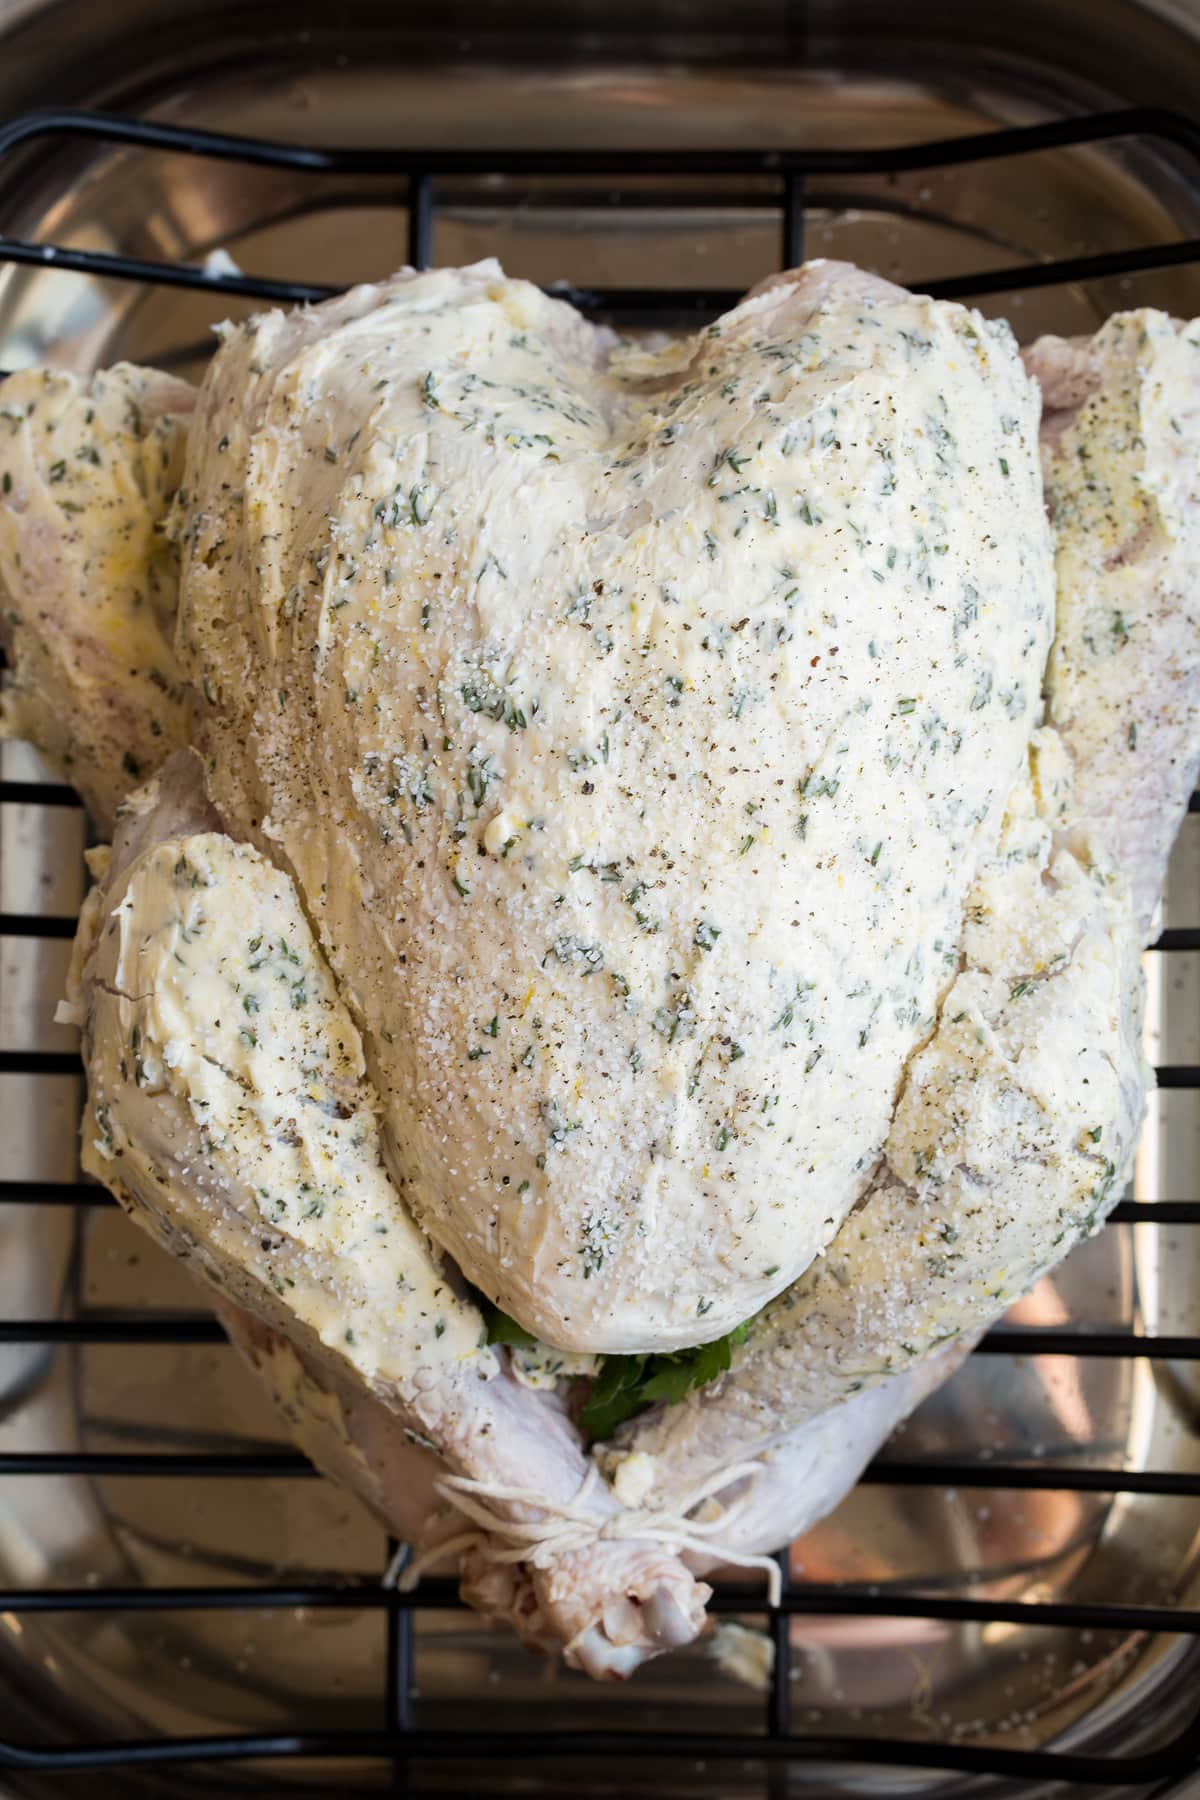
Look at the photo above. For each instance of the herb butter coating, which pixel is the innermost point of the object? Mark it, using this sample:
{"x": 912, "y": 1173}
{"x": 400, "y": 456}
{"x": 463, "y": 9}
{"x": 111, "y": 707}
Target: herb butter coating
{"x": 634, "y": 726}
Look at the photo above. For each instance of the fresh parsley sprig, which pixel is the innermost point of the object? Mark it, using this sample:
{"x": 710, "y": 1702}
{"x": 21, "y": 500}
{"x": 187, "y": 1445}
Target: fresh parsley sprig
{"x": 627, "y": 1385}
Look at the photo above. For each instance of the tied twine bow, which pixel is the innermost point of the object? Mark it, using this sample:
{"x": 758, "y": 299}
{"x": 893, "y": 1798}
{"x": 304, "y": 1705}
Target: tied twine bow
{"x": 567, "y": 1526}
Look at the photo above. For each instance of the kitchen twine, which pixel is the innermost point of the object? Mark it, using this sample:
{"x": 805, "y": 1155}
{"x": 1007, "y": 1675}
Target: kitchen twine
{"x": 569, "y": 1526}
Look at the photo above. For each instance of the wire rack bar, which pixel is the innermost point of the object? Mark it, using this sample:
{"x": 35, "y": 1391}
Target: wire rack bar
{"x": 181, "y": 1328}
{"x": 1177, "y": 1075}
{"x": 1155, "y": 1212}
{"x": 1178, "y": 938}
{"x": 57, "y": 1193}
{"x": 779, "y": 1694}
{"x": 207, "y": 1465}
{"x": 986, "y": 146}
{"x": 37, "y": 925}
{"x": 398, "y": 1672}
{"x": 802, "y": 1601}
{"x": 891, "y": 1472}
{"x": 158, "y": 274}
{"x": 1030, "y": 1478}
{"x": 1025, "y": 1340}
{"x": 420, "y": 220}
{"x": 38, "y": 793}
{"x": 202, "y": 1328}
{"x": 627, "y": 304}
{"x": 793, "y": 221}
{"x": 40, "y": 1062}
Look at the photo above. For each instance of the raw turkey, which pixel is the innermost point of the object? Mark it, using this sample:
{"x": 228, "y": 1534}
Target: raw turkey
{"x": 89, "y": 575}
{"x": 637, "y": 875}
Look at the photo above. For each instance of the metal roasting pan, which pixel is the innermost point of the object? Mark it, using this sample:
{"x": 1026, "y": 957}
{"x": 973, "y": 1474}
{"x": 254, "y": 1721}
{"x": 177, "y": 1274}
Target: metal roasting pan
{"x": 1011, "y": 1600}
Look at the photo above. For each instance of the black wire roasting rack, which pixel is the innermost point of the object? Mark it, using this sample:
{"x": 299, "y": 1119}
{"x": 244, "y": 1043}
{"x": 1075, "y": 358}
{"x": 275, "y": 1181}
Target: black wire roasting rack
{"x": 778, "y": 1743}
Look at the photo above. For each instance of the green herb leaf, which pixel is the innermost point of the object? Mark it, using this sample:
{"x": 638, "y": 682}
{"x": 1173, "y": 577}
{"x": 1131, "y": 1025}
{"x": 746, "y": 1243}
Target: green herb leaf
{"x": 627, "y": 1385}
{"x": 614, "y": 1396}
{"x": 503, "y": 1330}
